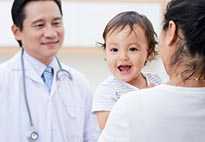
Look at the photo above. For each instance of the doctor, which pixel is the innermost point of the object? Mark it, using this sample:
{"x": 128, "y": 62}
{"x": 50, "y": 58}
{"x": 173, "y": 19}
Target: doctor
{"x": 42, "y": 100}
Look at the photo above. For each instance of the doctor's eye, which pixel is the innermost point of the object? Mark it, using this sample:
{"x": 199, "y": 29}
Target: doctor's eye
{"x": 38, "y": 25}
{"x": 58, "y": 23}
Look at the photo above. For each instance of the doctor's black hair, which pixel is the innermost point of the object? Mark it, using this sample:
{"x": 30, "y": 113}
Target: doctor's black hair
{"x": 18, "y": 12}
{"x": 189, "y": 17}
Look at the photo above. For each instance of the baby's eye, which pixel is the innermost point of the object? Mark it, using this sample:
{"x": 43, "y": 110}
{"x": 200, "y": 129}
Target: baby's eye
{"x": 113, "y": 49}
{"x": 133, "y": 49}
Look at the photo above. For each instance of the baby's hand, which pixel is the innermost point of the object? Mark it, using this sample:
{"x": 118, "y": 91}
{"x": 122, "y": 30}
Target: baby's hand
{"x": 150, "y": 85}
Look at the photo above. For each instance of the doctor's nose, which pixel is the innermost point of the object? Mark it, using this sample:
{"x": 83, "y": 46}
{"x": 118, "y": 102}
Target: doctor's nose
{"x": 50, "y": 32}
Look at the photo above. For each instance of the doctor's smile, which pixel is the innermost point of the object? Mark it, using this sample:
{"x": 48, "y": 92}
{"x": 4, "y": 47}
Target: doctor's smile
{"x": 51, "y": 44}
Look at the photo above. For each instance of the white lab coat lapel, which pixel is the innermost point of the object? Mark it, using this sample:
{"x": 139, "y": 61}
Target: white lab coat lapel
{"x": 29, "y": 71}
{"x": 67, "y": 92}
{"x": 31, "y": 74}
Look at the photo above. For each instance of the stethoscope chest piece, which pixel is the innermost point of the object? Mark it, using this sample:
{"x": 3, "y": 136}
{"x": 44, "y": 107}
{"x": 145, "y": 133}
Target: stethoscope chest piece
{"x": 33, "y": 135}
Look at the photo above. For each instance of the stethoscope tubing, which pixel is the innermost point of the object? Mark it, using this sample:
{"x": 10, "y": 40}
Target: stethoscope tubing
{"x": 25, "y": 91}
{"x": 33, "y": 136}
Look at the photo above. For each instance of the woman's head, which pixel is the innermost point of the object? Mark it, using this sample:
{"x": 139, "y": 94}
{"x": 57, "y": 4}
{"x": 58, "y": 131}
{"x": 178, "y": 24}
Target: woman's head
{"x": 129, "y": 41}
{"x": 183, "y": 38}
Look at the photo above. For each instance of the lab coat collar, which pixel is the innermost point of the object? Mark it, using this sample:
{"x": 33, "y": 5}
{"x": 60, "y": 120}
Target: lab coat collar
{"x": 34, "y": 63}
{"x": 33, "y": 68}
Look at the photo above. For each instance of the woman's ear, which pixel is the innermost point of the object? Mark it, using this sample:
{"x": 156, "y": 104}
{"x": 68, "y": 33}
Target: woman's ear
{"x": 171, "y": 33}
{"x": 16, "y": 32}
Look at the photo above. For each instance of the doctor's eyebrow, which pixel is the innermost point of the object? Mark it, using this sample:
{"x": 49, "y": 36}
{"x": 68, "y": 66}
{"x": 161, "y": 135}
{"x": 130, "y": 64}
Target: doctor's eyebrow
{"x": 60, "y": 19}
{"x": 43, "y": 20}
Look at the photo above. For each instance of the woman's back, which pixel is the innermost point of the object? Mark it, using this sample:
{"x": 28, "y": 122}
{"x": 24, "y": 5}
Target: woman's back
{"x": 163, "y": 113}
{"x": 174, "y": 114}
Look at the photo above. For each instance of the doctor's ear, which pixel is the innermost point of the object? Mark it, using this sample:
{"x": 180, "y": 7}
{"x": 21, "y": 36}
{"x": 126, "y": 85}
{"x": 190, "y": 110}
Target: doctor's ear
{"x": 16, "y": 32}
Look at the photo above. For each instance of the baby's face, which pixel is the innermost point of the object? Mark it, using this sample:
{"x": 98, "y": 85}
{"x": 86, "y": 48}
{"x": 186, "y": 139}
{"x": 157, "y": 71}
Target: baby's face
{"x": 126, "y": 53}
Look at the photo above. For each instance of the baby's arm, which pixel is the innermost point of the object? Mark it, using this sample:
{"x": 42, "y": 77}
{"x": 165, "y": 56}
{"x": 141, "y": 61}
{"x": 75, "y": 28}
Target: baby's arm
{"x": 102, "y": 117}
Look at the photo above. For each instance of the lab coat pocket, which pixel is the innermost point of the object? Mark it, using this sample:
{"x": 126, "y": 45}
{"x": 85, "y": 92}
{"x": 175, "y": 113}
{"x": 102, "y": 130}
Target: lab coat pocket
{"x": 75, "y": 121}
{"x": 73, "y": 111}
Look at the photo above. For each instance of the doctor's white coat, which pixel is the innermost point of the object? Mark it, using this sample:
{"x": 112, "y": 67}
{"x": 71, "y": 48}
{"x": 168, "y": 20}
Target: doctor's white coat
{"x": 62, "y": 116}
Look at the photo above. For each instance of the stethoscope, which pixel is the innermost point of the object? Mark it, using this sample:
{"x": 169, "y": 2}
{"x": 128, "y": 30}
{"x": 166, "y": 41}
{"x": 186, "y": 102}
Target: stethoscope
{"x": 61, "y": 75}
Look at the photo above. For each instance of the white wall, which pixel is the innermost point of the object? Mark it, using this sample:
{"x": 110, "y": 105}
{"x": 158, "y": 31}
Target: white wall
{"x": 6, "y": 37}
{"x": 84, "y": 21}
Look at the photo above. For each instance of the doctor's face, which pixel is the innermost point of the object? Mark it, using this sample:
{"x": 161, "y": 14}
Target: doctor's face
{"x": 43, "y": 32}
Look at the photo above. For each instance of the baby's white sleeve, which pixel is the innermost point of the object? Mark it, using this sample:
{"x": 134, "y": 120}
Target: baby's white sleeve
{"x": 104, "y": 98}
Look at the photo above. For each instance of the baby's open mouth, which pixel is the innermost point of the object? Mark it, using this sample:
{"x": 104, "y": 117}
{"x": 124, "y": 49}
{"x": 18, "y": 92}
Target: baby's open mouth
{"x": 123, "y": 68}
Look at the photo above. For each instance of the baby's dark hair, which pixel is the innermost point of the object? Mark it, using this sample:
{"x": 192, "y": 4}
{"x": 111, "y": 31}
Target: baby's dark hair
{"x": 189, "y": 17}
{"x": 131, "y": 19}
{"x": 18, "y": 12}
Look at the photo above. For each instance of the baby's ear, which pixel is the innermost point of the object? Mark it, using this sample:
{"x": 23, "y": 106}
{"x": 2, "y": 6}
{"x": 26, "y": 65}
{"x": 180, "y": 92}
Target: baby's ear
{"x": 150, "y": 55}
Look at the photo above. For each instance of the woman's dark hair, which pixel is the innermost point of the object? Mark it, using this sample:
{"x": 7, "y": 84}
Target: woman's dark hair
{"x": 18, "y": 12}
{"x": 189, "y": 17}
{"x": 131, "y": 19}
